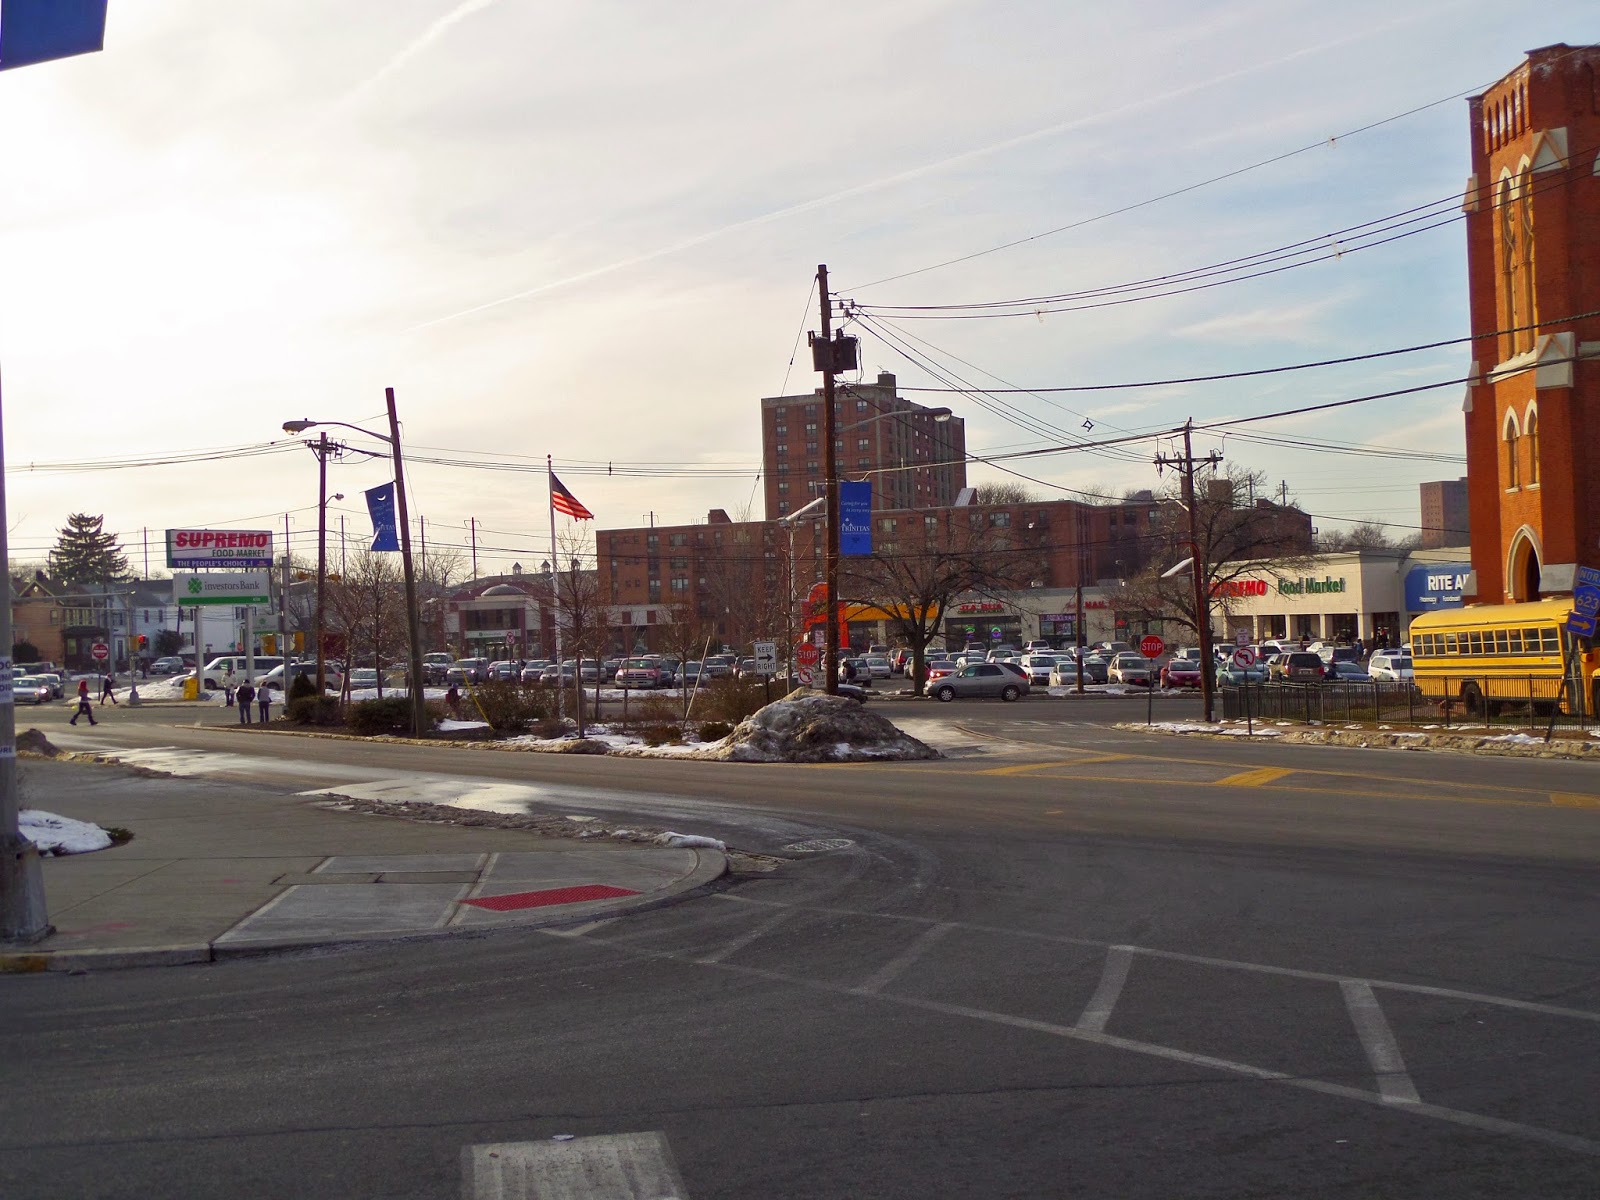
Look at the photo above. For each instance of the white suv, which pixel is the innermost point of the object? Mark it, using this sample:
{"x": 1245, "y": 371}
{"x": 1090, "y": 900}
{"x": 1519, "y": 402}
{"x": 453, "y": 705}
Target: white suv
{"x": 1392, "y": 665}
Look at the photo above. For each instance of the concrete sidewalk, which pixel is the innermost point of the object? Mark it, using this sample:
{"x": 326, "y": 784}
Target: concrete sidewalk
{"x": 217, "y": 869}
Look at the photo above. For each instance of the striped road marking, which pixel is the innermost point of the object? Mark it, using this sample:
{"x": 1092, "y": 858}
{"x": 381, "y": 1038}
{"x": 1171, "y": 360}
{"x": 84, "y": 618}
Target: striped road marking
{"x": 1025, "y": 768}
{"x": 617, "y": 1166}
{"x": 1574, "y": 800}
{"x": 1256, "y": 778}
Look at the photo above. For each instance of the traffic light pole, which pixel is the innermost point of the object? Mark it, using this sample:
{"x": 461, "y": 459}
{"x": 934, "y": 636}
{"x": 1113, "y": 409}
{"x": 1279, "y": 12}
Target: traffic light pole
{"x": 830, "y": 471}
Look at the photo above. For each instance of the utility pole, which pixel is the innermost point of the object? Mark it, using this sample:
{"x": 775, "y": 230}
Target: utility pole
{"x": 414, "y": 688}
{"x": 322, "y": 563}
{"x": 1199, "y": 571}
{"x": 1078, "y": 639}
{"x": 830, "y": 487}
{"x": 473, "y": 521}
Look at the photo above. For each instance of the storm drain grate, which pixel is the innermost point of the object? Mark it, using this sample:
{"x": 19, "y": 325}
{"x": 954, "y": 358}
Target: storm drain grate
{"x": 566, "y": 895}
{"x": 820, "y": 845}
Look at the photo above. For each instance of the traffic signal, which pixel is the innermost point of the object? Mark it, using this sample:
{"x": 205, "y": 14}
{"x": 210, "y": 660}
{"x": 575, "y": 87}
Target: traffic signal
{"x": 299, "y": 643}
{"x": 144, "y": 642}
{"x": 269, "y": 643}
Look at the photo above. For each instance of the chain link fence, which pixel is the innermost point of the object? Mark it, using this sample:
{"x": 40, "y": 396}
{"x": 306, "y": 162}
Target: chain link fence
{"x": 1530, "y": 704}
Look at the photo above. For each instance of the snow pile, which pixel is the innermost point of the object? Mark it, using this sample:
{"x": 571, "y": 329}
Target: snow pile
{"x": 691, "y": 841}
{"x": 449, "y": 726}
{"x": 1201, "y": 727}
{"x": 32, "y": 742}
{"x": 1515, "y": 739}
{"x": 808, "y": 726}
{"x": 169, "y": 687}
{"x": 61, "y": 835}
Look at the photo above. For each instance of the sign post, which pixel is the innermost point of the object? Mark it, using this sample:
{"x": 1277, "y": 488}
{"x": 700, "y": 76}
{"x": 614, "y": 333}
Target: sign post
{"x": 1244, "y": 658}
{"x": 766, "y": 666}
{"x": 807, "y": 655}
{"x": 100, "y": 651}
{"x": 1151, "y": 647}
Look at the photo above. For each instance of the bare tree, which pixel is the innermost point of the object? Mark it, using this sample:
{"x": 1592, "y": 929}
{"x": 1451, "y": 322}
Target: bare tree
{"x": 1005, "y": 492}
{"x": 685, "y": 634}
{"x": 745, "y": 586}
{"x": 914, "y": 577}
{"x": 367, "y": 608}
{"x": 1366, "y": 535}
{"x": 1232, "y": 541}
{"x": 585, "y": 618}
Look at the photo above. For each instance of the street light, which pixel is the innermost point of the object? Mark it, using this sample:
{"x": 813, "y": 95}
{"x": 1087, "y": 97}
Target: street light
{"x": 419, "y": 710}
{"x": 805, "y": 510}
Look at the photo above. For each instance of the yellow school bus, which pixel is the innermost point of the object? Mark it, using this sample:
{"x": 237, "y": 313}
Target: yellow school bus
{"x": 1498, "y": 655}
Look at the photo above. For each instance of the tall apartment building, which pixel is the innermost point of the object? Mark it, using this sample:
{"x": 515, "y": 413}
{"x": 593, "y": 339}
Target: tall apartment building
{"x": 915, "y": 456}
{"x": 1532, "y": 210}
{"x": 1444, "y": 513}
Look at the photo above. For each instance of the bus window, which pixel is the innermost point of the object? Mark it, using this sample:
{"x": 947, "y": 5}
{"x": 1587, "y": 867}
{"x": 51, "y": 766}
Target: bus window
{"x": 1552, "y": 640}
{"x": 1530, "y": 639}
{"x": 1474, "y": 643}
{"x": 1514, "y": 638}
{"x": 1450, "y": 643}
{"x": 1502, "y": 642}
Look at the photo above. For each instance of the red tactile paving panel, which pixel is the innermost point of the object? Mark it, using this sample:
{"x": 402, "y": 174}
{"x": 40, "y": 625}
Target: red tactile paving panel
{"x": 566, "y": 895}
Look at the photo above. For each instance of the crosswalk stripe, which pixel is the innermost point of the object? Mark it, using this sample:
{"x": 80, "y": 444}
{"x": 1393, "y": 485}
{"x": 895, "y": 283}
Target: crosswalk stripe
{"x": 616, "y": 1166}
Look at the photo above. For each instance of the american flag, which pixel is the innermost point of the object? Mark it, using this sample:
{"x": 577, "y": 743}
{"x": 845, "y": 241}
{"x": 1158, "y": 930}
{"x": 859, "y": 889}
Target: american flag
{"x": 564, "y": 501}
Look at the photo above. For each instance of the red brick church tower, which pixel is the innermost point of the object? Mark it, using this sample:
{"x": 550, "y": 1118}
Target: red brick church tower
{"x": 1533, "y": 259}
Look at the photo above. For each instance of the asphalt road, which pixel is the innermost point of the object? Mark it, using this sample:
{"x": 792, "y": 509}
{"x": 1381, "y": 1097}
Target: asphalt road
{"x": 1068, "y": 961}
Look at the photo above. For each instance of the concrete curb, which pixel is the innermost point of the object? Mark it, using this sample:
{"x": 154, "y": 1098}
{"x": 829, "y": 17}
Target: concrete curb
{"x": 710, "y": 865}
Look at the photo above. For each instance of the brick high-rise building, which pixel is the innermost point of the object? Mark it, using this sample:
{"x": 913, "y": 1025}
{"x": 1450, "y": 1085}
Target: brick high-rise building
{"x": 915, "y": 456}
{"x": 1533, "y": 258}
{"x": 1445, "y": 515}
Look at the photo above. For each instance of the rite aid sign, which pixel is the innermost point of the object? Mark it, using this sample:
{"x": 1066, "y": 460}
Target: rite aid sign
{"x": 197, "y": 548}
{"x": 1439, "y": 585}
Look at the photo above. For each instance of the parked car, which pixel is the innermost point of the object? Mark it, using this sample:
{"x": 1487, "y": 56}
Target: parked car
{"x": 1339, "y": 671}
{"x": 1233, "y": 674}
{"x": 231, "y": 667}
{"x": 639, "y": 673}
{"x": 717, "y": 666}
{"x": 1391, "y": 665}
{"x": 1300, "y": 666}
{"x": 1037, "y": 646}
{"x": 1095, "y": 670}
{"x": 1110, "y": 650}
{"x": 170, "y": 665}
{"x": 1130, "y": 668}
{"x": 477, "y": 669}
{"x": 32, "y": 689}
{"x": 363, "y": 679}
{"x": 746, "y": 669}
{"x": 1038, "y": 665}
{"x": 977, "y": 680}
{"x": 880, "y": 666}
{"x": 939, "y": 668}
{"x": 280, "y": 678}
{"x": 1181, "y": 673}
{"x": 1332, "y": 652}
{"x": 859, "y": 674}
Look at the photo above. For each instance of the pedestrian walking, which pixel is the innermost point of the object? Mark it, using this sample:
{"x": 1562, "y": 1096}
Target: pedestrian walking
{"x": 264, "y": 702}
{"x": 108, "y": 684}
{"x": 84, "y": 709}
{"x": 244, "y": 696}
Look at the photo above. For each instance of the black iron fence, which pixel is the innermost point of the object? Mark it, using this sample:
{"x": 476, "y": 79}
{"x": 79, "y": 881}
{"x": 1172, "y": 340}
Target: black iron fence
{"x": 1527, "y": 704}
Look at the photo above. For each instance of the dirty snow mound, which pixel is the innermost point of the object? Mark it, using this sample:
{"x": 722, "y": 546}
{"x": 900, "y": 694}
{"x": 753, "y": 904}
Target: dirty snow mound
{"x": 61, "y": 835}
{"x": 31, "y": 741}
{"x": 808, "y": 726}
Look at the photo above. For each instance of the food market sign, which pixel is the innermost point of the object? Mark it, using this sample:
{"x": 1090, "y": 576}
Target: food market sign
{"x": 220, "y": 587}
{"x": 1304, "y": 587}
{"x": 198, "y": 548}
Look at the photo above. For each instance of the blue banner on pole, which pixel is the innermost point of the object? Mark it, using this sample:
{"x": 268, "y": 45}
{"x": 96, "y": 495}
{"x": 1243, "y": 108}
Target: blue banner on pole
{"x": 380, "y": 504}
{"x": 35, "y": 31}
{"x": 855, "y": 518}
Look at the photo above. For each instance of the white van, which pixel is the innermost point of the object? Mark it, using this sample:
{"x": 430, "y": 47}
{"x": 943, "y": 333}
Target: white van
{"x": 230, "y": 668}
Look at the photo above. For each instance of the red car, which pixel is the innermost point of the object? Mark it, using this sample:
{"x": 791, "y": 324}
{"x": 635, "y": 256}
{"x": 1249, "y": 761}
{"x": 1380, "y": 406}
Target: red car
{"x": 1181, "y": 673}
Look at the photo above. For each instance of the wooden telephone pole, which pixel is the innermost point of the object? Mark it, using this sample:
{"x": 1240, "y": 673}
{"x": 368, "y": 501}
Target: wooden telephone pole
{"x": 1198, "y": 569}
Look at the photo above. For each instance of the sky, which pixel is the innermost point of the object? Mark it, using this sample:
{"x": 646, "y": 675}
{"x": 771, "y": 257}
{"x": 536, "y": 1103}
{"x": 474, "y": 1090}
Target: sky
{"x": 591, "y": 231}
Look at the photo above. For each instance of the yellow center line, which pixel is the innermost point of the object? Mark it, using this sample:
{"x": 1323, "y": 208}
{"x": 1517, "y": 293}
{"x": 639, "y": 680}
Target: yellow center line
{"x": 1254, "y": 778}
{"x": 1028, "y": 768}
{"x": 1574, "y": 800}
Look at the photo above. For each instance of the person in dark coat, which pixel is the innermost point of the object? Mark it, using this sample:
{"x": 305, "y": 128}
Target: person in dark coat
{"x": 243, "y": 697}
{"x": 108, "y": 685}
{"x": 264, "y": 702}
{"x": 452, "y": 700}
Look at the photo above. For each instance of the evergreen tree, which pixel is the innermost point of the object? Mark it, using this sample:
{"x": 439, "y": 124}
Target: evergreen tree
{"x": 85, "y": 553}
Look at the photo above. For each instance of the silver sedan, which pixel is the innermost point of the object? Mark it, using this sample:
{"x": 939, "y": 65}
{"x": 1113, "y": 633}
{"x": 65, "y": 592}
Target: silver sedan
{"x": 981, "y": 679}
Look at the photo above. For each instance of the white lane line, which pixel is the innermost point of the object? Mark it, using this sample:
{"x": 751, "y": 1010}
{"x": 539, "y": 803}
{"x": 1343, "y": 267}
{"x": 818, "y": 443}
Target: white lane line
{"x": 1098, "y": 1011}
{"x": 890, "y": 971}
{"x": 1377, "y": 1039}
{"x": 616, "y": 1166}
{"x": 744, "y": 939}
{"x": 1437, "y": 1112}
{"x": 1418, "y": 989}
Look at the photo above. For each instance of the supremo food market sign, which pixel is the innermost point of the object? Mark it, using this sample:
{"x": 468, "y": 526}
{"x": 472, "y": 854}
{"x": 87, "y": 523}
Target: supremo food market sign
{"x": 197, "y": 548}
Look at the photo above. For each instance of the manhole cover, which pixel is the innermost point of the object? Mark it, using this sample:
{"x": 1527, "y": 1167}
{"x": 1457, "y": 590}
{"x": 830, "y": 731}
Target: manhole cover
{"x": 820, "y": 845}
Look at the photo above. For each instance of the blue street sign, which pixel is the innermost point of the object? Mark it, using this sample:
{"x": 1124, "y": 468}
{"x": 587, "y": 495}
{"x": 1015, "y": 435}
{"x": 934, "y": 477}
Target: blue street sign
{"x": 35, "y": 31}
{"x": 855, "y": 517}
{"x": 1581, "y": 624}
{"x": 1586, "y": 599}
{"x": 1588, "y": 577}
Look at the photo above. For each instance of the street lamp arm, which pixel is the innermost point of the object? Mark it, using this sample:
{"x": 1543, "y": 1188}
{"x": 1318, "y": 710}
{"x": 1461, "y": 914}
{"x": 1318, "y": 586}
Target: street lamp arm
{"x": 302, "y": 425}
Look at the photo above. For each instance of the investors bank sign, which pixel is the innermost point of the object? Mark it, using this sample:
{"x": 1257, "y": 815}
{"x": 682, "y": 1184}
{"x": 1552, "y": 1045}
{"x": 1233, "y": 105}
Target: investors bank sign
{"x": 197, "y": 549}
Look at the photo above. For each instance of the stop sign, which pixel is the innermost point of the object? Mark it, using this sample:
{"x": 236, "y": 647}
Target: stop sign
{"x": 1151, "y": 646}
{"x": 101, "y": 651}
{"x": 809, "y": 654}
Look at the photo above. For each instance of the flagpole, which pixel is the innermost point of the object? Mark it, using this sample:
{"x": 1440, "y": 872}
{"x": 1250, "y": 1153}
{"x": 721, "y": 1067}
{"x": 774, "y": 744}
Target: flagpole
{"x": 555, "y": 568}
